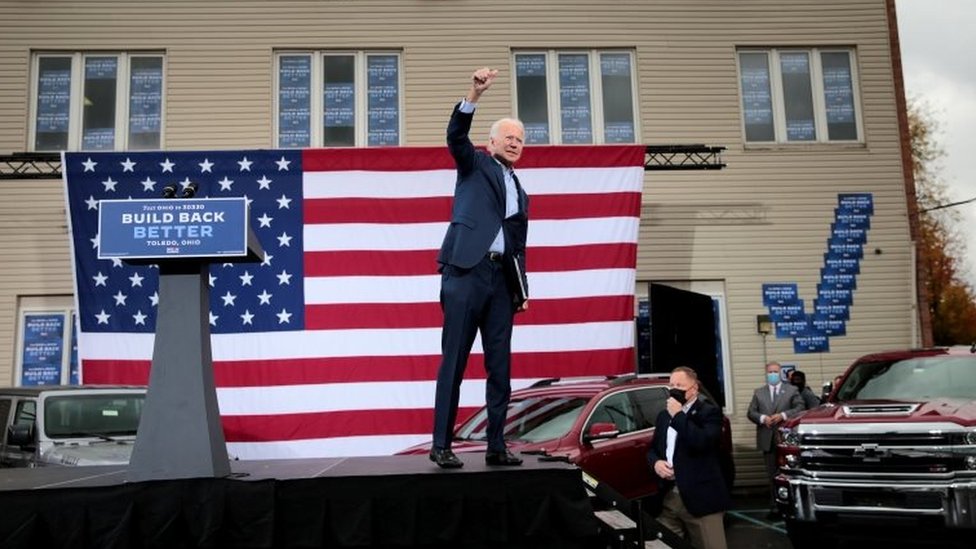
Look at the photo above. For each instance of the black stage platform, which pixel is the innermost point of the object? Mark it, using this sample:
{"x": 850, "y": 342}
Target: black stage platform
{"x": 397, "y": 501}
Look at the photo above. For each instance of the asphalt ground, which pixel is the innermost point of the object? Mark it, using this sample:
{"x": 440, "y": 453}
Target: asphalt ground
{"x": 747, "y": 527}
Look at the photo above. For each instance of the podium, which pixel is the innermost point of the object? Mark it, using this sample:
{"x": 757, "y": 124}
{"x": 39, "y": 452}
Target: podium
{"x": 180, "y": 434}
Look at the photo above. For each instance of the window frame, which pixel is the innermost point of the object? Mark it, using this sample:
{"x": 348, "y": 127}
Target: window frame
{"x": 777, "y": 96}
{"x": 554, "y": 106}
{"x": 360, "y": 94}
{"x": 76, "y": 97}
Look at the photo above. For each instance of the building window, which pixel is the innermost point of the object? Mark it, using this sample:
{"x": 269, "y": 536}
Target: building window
{"x": 576, "y": 97}
{"x": 97, "y": 102}
{"x": 799, "y": 95}
{"x": 338, "y": 99}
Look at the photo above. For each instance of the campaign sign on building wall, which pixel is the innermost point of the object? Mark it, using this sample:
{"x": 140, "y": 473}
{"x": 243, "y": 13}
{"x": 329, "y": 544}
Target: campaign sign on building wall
{"x": 838, "y": 280}
{"x": 160, "y": 228}
{"x": 43, "y": 349}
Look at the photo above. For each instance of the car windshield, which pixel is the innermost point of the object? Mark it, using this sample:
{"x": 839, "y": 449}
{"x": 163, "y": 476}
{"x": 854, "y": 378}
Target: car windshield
{"x": 921, "y": 378}
{"x": 533, "y": 419}
{"x": 101, "y": 415}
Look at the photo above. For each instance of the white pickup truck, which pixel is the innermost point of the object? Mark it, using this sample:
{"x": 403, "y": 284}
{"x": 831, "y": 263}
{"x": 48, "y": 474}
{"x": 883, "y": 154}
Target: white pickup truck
{"x": 69, "y": 425}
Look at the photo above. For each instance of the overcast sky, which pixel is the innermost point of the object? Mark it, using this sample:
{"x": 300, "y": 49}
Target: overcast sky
{"x": 938, "y": 47}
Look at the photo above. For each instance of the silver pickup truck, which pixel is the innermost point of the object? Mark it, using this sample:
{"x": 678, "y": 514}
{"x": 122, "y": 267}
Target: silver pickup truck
{"x": 69, "y": 425}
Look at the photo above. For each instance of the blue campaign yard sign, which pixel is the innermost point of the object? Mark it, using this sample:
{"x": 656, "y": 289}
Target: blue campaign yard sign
{"x": 164, "y": 228}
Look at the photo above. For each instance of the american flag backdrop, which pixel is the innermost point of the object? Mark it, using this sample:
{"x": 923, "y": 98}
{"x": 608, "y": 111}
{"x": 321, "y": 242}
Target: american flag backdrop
{"x": 330, "y": 346}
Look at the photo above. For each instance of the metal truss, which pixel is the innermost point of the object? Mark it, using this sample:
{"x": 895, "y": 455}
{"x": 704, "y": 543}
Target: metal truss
{"x": 683, "y": 157}
{"x": 30, "y": 166}
{"x": 657, "y": 158}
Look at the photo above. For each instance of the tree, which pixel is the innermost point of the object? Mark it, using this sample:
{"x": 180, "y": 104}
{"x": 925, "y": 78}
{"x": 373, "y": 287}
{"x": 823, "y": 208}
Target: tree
{"x": 952, "y": 300}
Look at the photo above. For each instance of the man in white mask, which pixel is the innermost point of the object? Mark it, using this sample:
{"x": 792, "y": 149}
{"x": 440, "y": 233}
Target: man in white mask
{"x": 772, "y": 404}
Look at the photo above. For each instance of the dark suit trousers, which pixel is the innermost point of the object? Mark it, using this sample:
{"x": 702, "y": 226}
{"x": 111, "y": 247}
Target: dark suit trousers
{"x": 472, "y": 300}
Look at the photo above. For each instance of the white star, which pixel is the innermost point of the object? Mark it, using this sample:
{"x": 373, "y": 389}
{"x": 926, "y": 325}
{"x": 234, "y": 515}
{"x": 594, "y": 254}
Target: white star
{"x": 265, "y": 297}
{"x": 167, "y": 166}
{"x": 127, "y": 165}
{"x": 139, "y": 318}
{"x": 267, "y": 259}
{"x": 110, "y": 184}
{"x": 245, "y": 164}
{"x": 283, "y": 164}
{"x": 89, "y": 165}
{"x": 246, "y": 317}
{"x": 186, "y": 183}
{"x": 226, "y": 265}
{"x": 283, "y": 277}
{"x": 225, "y": 183}
{"x": 246, "y": 278}
{"x": 264, "y": 183}
{"x": 205, "y": 165}
{"x": 284, "y": 317}
{"x": 284, "y": 240}
{"x": 100, "y": 279}
{"x": 283, "y": 202}
{"x": 264, "y": 220}
{"x": 154, "y": 299}
{"x": 94, "y": 241}
{"x": 148, "y": 184}
{"x": 92, "y": 203}
{"x": 103, "y": 317}
{"x": 212, "y": 280}
{"x": 213, "y": 319}
{"x": 120, "y": 298}
{"x": 248, "y": 200}
{"x": 228, "y": 299}
{"x": 136, "y": 280}
{"x": 116, "y": 263}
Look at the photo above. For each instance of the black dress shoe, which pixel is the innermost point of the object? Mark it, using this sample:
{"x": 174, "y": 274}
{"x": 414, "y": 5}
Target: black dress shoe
{"x": 502, "y": 458}
{"x": 445, "y": 458}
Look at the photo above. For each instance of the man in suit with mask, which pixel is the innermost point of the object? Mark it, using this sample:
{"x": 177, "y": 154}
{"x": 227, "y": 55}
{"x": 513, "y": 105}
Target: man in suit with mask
{"x": 684, "y": 456}
{"x": 772, "y": 404}
{"x": 482, "y": 265}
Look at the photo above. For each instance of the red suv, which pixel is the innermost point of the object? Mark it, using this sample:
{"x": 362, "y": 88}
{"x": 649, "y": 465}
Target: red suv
{"x": 603, "y": 425}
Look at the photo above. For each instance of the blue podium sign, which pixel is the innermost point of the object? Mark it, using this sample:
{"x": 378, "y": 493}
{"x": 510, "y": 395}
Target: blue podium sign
{"x": 172, "y": 228}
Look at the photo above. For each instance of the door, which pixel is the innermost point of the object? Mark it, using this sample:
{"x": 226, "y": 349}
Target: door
{"x": 683, "y": 333}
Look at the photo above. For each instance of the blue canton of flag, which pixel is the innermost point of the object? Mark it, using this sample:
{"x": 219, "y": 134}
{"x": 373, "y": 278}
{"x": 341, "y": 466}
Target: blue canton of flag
{"x": 244, "y": 297}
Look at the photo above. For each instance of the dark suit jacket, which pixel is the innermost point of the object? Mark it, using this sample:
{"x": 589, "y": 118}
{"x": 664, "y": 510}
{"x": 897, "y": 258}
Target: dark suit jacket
{"x": 788, "y": 400}
{"x": 479, "y": 203}
{"x": 697, "y": 469}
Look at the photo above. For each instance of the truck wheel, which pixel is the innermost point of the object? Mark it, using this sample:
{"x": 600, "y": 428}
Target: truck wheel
{"x": 807, "y": 535}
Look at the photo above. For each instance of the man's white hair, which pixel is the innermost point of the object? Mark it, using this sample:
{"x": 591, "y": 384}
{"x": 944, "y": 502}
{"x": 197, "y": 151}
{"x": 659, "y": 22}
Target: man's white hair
{"x": 493, "y": 133}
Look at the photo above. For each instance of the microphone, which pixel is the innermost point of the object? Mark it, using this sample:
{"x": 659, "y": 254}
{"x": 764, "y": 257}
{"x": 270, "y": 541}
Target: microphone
{"x": 190, "y": 191}
{"x": 169, "y": 191}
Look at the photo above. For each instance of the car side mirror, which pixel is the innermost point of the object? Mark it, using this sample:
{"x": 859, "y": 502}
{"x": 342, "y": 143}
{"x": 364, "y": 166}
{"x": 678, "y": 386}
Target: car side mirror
{"x": 601, "y": 431}
{"x": 20, "y": 435}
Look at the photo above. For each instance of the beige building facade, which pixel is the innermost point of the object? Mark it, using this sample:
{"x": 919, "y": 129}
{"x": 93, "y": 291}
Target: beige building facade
{"x": 804, "y": 96}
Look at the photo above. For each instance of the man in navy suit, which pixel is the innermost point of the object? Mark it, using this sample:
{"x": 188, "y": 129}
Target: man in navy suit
{"x": 685, "y": 458}
{"x": 482, "y": 254}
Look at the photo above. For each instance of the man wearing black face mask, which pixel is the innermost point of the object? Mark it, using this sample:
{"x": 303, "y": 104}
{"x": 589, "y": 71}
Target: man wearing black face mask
{"x": 799, "y": 380}
{"x": 684, "y": 456}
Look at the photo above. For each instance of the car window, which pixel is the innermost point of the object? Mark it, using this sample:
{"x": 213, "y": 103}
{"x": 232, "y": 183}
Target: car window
{"x": 649, "y": 402}
{"x": 26, "y": 412}
{"x": 921, "y": 378}
{"x": 535, "y": 419}
{"x": 616, "y": 409}
{"x": 4, "y": 411}
{"x": 84, "y": 415}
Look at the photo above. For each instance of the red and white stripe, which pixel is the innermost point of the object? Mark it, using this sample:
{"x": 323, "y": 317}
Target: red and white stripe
{"x": 359, "y": 380}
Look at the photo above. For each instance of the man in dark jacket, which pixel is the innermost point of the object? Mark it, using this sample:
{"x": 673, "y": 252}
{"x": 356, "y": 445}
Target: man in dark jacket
{"x": 685, "y": 458}
{"x": 482, "y": 265}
